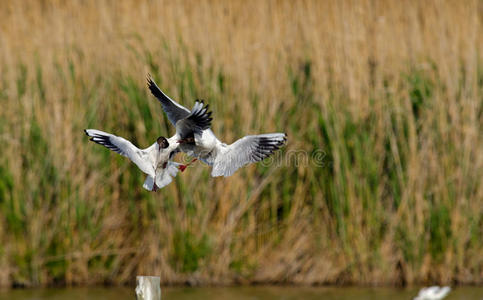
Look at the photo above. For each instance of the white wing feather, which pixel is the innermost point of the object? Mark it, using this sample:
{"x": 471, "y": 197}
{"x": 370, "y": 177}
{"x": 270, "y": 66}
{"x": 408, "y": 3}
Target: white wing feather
{"x": 165, "y": 176}
{"x": 149, "y": 183}
{"x": 249, "y": 149}
{"x": 121, "y": 146}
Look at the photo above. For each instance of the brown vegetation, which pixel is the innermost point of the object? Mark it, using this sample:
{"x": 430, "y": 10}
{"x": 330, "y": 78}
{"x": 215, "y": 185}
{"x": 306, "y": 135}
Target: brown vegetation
{"x": 384, "y": 99}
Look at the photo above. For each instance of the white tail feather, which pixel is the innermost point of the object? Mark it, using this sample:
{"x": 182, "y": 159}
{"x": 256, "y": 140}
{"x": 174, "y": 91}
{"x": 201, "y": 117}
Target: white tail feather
{"x": 149, "y": 183}
{"x": 165, "y": 176}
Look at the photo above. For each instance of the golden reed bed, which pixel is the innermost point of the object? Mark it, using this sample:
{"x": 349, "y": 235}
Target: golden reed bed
{"x": 380, "y": 182}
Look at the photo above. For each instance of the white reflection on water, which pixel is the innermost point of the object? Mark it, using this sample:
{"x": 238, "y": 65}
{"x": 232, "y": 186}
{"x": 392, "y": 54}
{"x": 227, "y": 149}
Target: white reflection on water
{"x": 236, "y": 293}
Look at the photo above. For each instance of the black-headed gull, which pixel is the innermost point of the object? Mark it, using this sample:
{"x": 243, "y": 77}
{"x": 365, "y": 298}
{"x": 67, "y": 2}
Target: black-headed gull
{"x": 433, "y": 293}
{"x": 155, "y": 160}
{"x": 225, "y": 159}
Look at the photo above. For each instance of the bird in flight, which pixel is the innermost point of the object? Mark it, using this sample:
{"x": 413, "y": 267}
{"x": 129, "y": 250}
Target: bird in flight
{"x": 194, "y": 137}
{"x": 156, "y": 160}
{"x": 205, "y": 146}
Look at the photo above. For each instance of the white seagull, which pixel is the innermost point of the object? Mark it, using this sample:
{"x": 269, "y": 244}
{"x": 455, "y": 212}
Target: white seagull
{"x": 433, "y": 293}
{"x": 225, "y": 159}
{"x": 155, "y": 160}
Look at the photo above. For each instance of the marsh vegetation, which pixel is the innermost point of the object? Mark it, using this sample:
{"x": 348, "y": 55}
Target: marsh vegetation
{"x": 389, "y": 91}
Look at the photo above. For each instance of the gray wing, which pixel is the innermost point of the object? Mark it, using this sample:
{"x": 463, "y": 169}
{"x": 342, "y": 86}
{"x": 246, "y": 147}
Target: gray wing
{"x": 198, "y": 120}
{"x": 121, "y": 146}
{"x": 173, "y": 110}
{"x": 249, "y": 149}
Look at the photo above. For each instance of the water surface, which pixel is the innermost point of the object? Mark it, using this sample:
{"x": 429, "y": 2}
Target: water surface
{"x": 237, "y": 293}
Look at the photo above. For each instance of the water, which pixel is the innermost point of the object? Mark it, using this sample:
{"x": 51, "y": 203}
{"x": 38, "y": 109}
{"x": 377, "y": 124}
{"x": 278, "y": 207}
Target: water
{"x": 237, "y": 293}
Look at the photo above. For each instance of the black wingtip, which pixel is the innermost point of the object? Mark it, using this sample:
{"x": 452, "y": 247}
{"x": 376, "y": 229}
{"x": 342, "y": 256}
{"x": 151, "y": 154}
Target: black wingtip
{"x": 155, "y": 90}
{"x": 202, "y": 116}
{"x": 150, "y": 81}
{"x": 85, "y": 131}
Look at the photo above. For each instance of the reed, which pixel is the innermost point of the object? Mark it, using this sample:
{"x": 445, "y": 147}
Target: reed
{"x": 380, "y": 182}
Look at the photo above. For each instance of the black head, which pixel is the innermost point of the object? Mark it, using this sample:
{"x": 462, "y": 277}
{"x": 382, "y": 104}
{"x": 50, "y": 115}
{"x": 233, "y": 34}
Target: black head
{"x": 162, "y": 142}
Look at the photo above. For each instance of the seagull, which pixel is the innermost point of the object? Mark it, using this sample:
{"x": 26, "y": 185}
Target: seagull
{"x": 155, "y": 161}
{"x": 224, "y": 159}
{"x": 433, "y": 293}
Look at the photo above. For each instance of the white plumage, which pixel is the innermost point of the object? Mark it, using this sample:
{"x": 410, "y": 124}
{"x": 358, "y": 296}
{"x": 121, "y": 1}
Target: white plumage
{"x": 149, "y": 160}
{"x": 225, "y": 159}
{"x": 155, "y": 161}
{"x": 433, "y": 293}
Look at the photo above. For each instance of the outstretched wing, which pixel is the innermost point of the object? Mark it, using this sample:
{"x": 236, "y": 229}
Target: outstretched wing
{"x": 249, "y": 149}
{"x": 121, "y": 146}
{"x": 173, "y": 110}
{"x": 198, "y": 120}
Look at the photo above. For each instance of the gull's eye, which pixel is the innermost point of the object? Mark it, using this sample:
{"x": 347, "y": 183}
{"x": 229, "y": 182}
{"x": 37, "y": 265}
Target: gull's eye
{"x": 163, "y": 142}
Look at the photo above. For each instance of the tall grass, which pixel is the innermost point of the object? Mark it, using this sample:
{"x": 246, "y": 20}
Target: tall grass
{"x": 381, "y": 100}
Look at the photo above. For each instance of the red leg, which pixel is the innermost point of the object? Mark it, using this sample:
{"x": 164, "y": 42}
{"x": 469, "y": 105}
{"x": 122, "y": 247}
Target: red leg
{"x": 183, "y": 167}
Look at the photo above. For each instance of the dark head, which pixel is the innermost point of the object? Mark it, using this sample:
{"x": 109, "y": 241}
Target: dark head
{"x": 162, "y": 142}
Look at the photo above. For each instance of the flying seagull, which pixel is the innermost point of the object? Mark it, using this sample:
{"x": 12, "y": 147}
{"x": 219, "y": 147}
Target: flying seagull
{"x": 155, "y": 161}
{"x": 224, "y": 159}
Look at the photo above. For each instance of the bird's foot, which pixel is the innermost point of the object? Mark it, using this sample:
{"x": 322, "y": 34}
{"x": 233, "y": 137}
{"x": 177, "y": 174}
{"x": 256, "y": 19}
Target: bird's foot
{"x": 155, "y": 187}
{"x": 183, "y": 167}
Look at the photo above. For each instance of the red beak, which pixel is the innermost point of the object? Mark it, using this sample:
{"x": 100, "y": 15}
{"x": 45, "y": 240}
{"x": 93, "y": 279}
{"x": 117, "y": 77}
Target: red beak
{"x": 182, "y": 167}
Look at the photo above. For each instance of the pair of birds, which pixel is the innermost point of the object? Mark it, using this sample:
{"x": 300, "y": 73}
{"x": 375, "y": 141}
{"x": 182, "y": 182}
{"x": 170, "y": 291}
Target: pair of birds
{"x": 194, "y": 137}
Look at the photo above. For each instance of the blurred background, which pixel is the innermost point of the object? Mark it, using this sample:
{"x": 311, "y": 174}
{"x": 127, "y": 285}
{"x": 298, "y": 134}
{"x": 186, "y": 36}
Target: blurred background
{"x": 380, "y": 182}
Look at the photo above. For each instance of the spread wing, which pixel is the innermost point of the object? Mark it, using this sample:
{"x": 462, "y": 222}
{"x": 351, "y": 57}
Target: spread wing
{"x": 198, "y": 120}
{"x": 173, "y": 110}
{"x": 249, "y": 149}
{"x": 121, "y": 146}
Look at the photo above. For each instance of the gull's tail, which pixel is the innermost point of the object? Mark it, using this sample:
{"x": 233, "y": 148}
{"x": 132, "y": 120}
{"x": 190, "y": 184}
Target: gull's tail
{"x": 149, "y": 183}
